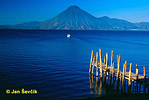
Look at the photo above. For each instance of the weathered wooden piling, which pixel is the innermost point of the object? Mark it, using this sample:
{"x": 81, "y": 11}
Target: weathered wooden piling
{"x": 136, "y": 68}
{"x": 144, "y": 81}
{"x": 111, "y": 58}
{"x": 100, "y": 54}
{"x": 130, "y": 74}
{"x": 136, "y": 76}
{"x": 93, "y": 65}
{"x": 91, "y": 61}
{"x": 111, "y": 67}
{"x": 125, "y": 66}
{"x": 118, "y": 66}
{"x": 106, "y": 72}
{"x": 97, "y": 64}
{"x": 101, "y": 68}
{"x": 113, "y": 74}
{"x": 104, "y": 60}
{"x": 100, "y": 63}
{"x": 129, "y": 80}
{"x": 144, "y": 73}
{"x": 137, "y": 80}
{"x": 123, "y": 78}
{"x": 118, "y": 70}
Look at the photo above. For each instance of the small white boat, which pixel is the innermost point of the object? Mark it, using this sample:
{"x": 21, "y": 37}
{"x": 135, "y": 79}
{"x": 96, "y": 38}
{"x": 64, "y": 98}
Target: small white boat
{"x": 68, "y": 35}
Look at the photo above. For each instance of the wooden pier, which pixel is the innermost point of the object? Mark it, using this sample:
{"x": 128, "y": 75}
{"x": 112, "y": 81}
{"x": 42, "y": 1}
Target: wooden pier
{"x": 115, "y": 75}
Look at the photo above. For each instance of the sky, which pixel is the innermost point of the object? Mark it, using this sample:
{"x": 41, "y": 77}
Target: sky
{"x": 19, "y": 11}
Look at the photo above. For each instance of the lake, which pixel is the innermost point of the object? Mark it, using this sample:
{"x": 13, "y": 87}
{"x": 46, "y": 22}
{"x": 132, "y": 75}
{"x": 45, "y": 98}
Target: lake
{"x": 57, "y": 66}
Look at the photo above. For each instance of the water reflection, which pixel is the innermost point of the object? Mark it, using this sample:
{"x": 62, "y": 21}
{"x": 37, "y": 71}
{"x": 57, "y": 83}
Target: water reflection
{"x": 109, "y": 84}
{"x": 98, "y": 87}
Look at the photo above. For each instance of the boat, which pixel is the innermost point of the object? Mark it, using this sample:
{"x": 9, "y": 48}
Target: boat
{"x": 68, "y": 35}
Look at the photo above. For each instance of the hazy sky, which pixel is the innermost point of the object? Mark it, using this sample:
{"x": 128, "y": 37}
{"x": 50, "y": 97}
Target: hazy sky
{"x": 19, "y": 11}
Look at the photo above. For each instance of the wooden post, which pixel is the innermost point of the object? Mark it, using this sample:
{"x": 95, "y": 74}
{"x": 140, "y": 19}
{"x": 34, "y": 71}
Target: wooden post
{"x": 130, "y": 77}
{"x": 136, "y": 68}
{"x": 119, "y": 62}
{"x": 105, "y": 72}
{"x": 137, "y": 80}
{"x": 113, "y": 73}
{"x": 144, "y": 72}
{"x": 111, "y": 67}
{"x": 117, "y": 59}
{"x": 91, "y": 61}
{"x": 118, "y": 65}
{"x": 123, "y": 77}
{"x": 93, "y": 65}
{"x": 130, "y": 74}
{"x": 120, "y": 77}
{"x": 111, "y": 58}
{"x": 104, "y": 60}
{"x": 100, "y": 54}
{"x": 101, "y": 68}
{"x": 100, "y": 63}
{"x": 125, "y": 66}
{"x": 97, "y": 64}
{"x": 119, "y": 56}
{"x": 144, "y": 81}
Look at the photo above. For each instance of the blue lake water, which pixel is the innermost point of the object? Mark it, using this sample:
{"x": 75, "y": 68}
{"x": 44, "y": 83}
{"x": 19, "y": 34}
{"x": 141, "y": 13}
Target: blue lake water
{"x": 56, "y": 66}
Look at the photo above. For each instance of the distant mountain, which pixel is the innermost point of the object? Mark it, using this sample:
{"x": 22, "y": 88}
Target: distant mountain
{"x": 29, "y": 25}
{"x": 74, "y": 18}
{"x": 6, "y": 27}
{"x": 142, "y": 25}
{"x": 107, "y": 23}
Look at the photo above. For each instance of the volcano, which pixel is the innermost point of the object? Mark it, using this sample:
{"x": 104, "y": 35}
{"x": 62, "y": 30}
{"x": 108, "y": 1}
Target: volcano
{"x": 73, "y": 18}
